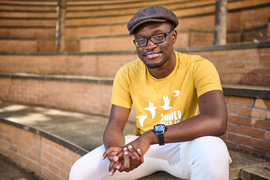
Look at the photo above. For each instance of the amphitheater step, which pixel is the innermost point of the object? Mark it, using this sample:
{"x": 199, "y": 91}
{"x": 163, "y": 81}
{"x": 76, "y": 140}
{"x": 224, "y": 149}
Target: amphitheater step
{"x": 243, "y": 165}
{"x": 260, "y": 172}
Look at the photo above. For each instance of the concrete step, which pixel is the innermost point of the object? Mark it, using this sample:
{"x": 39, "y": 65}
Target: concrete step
{"x": 259, "y": 172}
{"x": 61, "y": 122}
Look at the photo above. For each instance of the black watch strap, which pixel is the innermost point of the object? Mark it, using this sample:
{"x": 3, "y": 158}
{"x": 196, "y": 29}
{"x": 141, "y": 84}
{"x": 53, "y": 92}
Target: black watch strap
{"x": 160, "y": 139}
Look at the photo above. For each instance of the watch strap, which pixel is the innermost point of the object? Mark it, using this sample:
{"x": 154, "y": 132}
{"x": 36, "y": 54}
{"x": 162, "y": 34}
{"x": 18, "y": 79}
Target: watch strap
{"x": 160, "y": 139}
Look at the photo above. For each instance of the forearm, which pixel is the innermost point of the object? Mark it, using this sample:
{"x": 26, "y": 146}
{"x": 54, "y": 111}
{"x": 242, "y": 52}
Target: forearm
{"x": 113, "y": 138}
{"x": 195, "y": 127}
{"x": 113, "y": 135}
{"x": 187, "y": 130}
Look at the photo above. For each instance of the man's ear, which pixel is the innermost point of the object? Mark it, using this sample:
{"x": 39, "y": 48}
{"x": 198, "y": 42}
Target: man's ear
{"x": 174, "y": 36}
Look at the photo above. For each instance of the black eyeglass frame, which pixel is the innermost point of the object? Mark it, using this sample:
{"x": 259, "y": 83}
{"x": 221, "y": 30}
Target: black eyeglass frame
{"x": 147, "y": 38}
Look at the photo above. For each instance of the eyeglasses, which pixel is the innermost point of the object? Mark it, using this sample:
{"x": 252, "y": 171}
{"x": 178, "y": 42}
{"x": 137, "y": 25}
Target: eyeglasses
{"x": 156, "y": 39}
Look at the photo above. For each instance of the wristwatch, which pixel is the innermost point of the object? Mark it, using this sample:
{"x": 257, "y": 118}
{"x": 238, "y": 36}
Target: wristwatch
{"x": 160, "y": 129}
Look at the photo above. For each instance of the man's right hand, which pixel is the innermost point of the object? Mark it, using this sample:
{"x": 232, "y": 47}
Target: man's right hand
{"x": 123, "y": 159}
{"x": 132, "y": 159}
{"x": 111, "y": 155}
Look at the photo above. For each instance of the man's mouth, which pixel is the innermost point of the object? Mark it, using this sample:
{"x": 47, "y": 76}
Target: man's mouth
{"x": 151, "y": 55}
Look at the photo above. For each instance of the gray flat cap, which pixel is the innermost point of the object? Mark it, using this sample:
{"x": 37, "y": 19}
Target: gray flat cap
{"x": 151, "y": 14}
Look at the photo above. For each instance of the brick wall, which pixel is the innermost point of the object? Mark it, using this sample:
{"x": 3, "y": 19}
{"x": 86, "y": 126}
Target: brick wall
{"x": 37, "y": 154}
{"x": 18, "y": 45}
{"x": 247, "y": 66}
{"x": 197, "y": 15}
{"x": 27, "y": 45}
{"x": 243, "y": 64}
{"x": 101, "y": 65}
{"x": 29, "y": 32}
{"x": 103, "y": 44}
{"x": 248, "y": 124}
{"x": 84, "y": 97}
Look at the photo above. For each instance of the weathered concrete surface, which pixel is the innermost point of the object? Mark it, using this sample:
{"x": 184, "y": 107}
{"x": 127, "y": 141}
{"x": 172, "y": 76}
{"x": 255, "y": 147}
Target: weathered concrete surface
{"x": 86, "y": 131}
{"x": 259, "y": 172}
{"x": 11, "y": 171}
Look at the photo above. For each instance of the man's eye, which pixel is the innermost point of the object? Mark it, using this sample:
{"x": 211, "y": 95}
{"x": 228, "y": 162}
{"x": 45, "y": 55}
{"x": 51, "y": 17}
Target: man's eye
{"x": 140, "y": 41}
{"x": 158, "y": 37}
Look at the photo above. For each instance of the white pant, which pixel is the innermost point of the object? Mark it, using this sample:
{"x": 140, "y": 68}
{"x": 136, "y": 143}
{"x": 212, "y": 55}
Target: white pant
{"x": 204, "y": 158}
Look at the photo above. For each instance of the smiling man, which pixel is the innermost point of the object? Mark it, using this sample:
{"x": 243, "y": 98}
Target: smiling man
{"x": 166, "y": 88}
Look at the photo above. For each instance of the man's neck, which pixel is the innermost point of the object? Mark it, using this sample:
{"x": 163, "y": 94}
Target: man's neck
{"x": 165, "y": 70}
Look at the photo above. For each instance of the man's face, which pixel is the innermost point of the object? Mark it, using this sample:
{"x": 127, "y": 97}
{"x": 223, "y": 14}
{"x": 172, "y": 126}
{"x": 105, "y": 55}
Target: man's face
{"x": 156, "y": 55}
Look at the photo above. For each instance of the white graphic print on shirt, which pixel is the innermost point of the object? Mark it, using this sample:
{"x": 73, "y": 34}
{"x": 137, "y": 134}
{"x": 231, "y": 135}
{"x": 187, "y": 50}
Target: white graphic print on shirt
{"x": 167, "y": 103}
{"x": 141, "y": 119}
{"x": 176, "y": 92}
{"x": 166, "y": 119}
{"x": 152, "y": 109}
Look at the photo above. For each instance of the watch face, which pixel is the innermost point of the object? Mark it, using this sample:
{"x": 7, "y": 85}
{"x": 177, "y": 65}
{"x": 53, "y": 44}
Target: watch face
{"x": 160, "y": 128}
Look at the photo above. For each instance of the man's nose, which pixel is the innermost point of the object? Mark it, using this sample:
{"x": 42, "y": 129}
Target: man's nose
{"x": 150, "y": 44}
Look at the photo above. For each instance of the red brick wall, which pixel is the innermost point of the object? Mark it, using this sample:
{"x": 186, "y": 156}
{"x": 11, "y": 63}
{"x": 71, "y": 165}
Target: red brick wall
{"x": 236, "y": 66}
{"x": 241, "y": 66}
{"x": 101, "y": 65}
{"x": 248, "y": 18}
{"x": 248, "y": 125}
{"x": 35, "y": 153}
{"x": 17, "y": 45}
{"x": 83, "y": 97}
{"x": 17, "y": 32}
{"x": 197, "y": 15}
{"x": 103, "y": 44}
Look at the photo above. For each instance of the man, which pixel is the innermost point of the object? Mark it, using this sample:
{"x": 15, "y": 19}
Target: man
{"x": 165, "y": 88}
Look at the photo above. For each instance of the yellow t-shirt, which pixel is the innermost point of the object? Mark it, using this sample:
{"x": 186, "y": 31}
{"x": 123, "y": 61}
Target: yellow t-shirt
{"x": 164, "y": 101}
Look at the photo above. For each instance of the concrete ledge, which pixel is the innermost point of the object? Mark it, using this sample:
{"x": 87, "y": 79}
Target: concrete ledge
{"x": 41, "y": 153}
{"x": 257, "y": 92}
{"x": 226, "y": 47}
{"x": 78, "y": 150}
{"x": 86, "y": 79}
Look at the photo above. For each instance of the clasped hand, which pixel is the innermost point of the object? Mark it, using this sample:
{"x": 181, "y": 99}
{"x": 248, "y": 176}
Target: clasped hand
{"x": 123, "y": 159}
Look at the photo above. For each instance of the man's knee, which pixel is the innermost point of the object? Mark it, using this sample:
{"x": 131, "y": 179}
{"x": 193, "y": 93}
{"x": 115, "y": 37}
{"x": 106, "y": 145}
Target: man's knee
{"x": 90, "y": 166}
{"x": 212, "y": 156}
{"x": 212, "y": 149}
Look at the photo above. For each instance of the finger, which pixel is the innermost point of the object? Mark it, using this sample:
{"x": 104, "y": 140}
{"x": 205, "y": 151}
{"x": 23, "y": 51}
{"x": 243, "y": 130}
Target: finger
{"x": 130, "y": 148}
{"x": 107, "y": 152}
{"x": 111, "y": 173}
{"x": 126, "y": 160}
{"x": 140, "y": 152}
{"x": 119, "y": 166}
{"x": 141, "y": 155}
{"x": 135, "y": 155}
{"x": 119, "y": 156}
{"x": 112, "y": 168}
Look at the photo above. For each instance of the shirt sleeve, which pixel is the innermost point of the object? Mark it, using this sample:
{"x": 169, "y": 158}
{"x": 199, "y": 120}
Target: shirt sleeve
{"x": 121, "y": 89}
{"x": 205, "y": 77}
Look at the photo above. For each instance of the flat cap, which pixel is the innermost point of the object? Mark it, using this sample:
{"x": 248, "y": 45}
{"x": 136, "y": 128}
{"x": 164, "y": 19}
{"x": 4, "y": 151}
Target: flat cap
{"x": 151, "y": 14}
